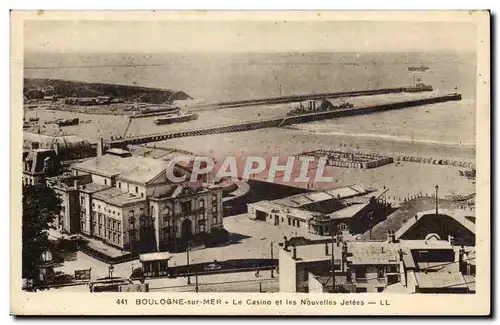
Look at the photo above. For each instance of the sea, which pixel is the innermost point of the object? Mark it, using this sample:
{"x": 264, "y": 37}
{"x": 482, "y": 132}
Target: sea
{"x": 443, "y": 130}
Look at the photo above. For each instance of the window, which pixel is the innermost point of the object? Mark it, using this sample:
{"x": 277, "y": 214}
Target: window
{"x": 105, "y": 182}
{"x": 100, "y": 230}
{"x": 118, "y": 226}
{"x": 289, "y": 221}
{"x": 93, "y": 205}
{"x": 166, "y": 223}
{"x": 214, "y": 198}
{"x": 166, "y": 211}
{"x": 109, "y": 223}
{"x": 343, "y": 227}
{"x": 98, "y": 207}
{"x": 142, "y": 194}
{"x": 141, "y": 211}
{"x": 82, "y": 225}
{"x": 361, "y": 290}
{"x": 131, "y": 213}
{"x": 214, "y": 209}
{"x": 152, "y": 210}
{"x": 293, "y": 222}
{"x": 201, "y": 225}
{"x": 202, "y": 204}
{"x": 114, "y": 237}
{"x": 118, "y": 239}
{"x": 298, "y": 223}
{"x": 142, "y": 223}
{"x": 214, "y": 219}
{"x": 361, "y": 273}
{"x": 109, "y": 234}
{"x": 380, "y": 289}
{"x": 136, "y": 189}
{"x": 380, "y": 272}
{"x": 82, "y": 200}
{"x": 119, "y": 185}
{"x": 114, "y": 224}
{"x": 100, "y": 218}
{"x": 186, "y": 207}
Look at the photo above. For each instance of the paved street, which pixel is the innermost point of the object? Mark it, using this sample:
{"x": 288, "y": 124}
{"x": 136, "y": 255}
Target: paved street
{"x": 251, "y": 239}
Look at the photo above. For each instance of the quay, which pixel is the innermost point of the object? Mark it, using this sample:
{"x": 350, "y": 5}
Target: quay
{"x": 280, "y": 121}
{"x": 297, "y": 98}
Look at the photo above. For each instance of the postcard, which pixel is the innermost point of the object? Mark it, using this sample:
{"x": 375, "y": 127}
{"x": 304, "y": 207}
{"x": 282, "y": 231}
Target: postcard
{"x": 250, "y": 163}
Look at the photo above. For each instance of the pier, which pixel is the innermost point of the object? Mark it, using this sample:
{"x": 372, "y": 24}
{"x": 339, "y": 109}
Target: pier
{"x": 297, "y": 98}
{"x": 280, "y": 121}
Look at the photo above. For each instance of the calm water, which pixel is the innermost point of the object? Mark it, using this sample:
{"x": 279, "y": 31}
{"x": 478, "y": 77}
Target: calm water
{"x": 218, "y": 77}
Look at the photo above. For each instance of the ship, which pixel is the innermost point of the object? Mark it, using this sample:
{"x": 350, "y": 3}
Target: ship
{"x": 419, "y": 87}
{"x": 418, "y": 68}
{"x": 176, "y": 118}
{"x": 68, "y": 122}
{"x": 156, "y": 111}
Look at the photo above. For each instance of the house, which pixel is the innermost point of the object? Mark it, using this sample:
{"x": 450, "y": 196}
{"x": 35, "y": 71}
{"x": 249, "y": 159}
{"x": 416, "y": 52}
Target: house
{"x": 323, "y": 212}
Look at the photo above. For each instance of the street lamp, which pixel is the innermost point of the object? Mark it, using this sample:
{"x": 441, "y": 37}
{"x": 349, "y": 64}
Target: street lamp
{"x": 187, "y": 270}
{"x": 437, "y": 188}
{"x": 110, "y": 271}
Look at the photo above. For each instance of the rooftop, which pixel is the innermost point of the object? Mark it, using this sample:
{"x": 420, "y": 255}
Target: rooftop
{"x": 135, "y": 169}
{"x": 158, "y": 256}
{"x": 116, "y": 197}
{"x": 440, "y": 280}
{"x": 458, "y": 215}
{"x": 316, "y": 252}
{"x": 372, "y": 253}
{"x": 347, "y": 212}
{"x": 92, "y": 188}
{"x": 299, "y": 200}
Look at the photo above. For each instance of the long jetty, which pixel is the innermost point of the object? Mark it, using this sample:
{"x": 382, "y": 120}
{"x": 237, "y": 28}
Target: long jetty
{"x": 296, "y": 98}
{"x": 280, "y": 121}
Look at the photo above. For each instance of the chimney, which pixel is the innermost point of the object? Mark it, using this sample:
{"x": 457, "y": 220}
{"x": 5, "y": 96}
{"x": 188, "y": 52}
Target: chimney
{"x": 391, "y": 236}
{"x": 327, "y": 253}
{"x": 451, "y": 240}
{"x": 76, "y": 184}
{"x": 100, "y": 147}
{"x": 35, "y": 145}
{"x": 285, "y": 243}
{"x": 294, "y": 256}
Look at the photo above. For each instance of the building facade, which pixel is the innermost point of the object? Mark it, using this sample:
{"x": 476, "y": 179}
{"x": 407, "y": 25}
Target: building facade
{"x": 129, "y": 204}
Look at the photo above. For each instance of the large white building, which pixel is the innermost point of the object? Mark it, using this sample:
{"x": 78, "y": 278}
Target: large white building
{"x": 129, "y": 203}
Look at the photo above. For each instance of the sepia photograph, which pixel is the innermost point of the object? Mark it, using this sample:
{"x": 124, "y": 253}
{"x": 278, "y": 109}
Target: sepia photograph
{"x": 325, "y": 160}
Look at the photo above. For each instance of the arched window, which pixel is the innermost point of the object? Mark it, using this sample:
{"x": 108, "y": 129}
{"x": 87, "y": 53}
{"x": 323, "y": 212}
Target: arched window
{"x": 202, "y": 204}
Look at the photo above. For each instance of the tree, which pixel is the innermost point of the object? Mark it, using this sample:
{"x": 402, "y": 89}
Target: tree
{"x": 40, "y": 205}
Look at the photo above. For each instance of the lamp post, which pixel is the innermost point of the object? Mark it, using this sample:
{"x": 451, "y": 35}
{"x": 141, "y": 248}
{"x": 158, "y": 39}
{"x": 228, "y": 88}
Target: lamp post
{"x": 110, "y": 271}
{"x": 187, "y": 269}
{"x": 272, "y": 261}
{"x": 437, "y": 200}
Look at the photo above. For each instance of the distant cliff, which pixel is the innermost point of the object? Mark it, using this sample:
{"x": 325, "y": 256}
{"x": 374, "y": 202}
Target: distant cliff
{"x": 38, "y": 88}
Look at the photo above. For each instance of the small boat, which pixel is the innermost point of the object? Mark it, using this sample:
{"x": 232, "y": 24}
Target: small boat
{"x": 68, "y": 122}
{"x": 155, "y": 111}
{"x": 419, "y": 68}
{"x": 176, "y": 118}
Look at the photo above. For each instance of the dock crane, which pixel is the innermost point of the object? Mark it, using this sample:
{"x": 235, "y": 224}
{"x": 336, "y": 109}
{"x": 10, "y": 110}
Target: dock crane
{"x": 128, "y": 126}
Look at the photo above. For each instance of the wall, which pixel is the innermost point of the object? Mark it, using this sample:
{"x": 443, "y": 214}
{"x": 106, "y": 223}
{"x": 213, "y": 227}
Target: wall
{"x": 314, "y": 285}
{"x": 371, "y": 282}
{"x": 287, "y": 267}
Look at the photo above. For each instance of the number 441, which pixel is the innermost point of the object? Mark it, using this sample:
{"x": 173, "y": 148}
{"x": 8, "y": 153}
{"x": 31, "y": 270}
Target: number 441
{"x": 121, "y": 301}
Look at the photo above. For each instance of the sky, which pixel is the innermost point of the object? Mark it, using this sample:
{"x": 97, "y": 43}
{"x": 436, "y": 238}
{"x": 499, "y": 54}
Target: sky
{"x": 69, "y": 36}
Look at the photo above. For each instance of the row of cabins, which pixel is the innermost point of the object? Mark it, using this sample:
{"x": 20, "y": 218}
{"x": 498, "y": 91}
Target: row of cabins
{"x": 434, "y": 161}
{"x": 350, "y": 159}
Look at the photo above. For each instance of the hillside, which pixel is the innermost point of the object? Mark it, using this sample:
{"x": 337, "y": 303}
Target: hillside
{"x": 38, "y": 88}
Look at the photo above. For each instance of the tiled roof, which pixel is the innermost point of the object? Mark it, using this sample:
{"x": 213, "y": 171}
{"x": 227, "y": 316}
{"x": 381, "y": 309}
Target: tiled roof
{"x": 440, "y": 280}
{"x": 372, "y": 253}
